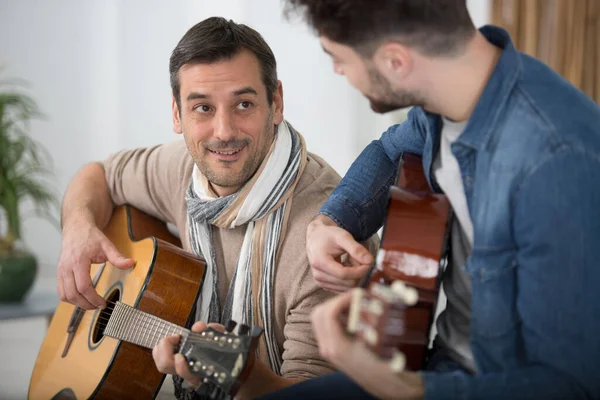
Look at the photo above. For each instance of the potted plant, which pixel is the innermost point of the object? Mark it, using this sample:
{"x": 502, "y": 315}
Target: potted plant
{"x": 24, "y": 169}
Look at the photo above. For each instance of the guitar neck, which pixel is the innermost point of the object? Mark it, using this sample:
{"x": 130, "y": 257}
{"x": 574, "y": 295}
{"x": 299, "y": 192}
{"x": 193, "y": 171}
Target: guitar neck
{"x": 134, "y": 326}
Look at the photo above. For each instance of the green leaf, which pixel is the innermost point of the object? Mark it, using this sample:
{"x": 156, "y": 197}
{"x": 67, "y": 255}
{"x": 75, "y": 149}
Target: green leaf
{"x": 25, "y": 165}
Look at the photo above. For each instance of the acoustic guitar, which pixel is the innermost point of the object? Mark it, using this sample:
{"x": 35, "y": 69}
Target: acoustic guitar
{"x": 393, "y": 311}
{"x": 106, "y": 354}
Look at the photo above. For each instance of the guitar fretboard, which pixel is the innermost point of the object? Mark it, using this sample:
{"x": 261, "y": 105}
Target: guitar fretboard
{"x": 134, "y": 326}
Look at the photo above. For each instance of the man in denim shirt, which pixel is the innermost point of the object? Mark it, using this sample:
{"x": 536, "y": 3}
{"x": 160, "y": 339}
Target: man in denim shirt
{"x": 516, "y": 149}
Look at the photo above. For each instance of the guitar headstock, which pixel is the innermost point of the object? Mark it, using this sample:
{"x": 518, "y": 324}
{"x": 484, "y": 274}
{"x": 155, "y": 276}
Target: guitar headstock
{"x": 376, "y": 318}
{"x": 222, "y": 359}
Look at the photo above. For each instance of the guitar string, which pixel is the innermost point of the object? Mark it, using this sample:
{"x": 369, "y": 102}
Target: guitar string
{"x": 147, "y": 321}
{"x": 150, "y": 321}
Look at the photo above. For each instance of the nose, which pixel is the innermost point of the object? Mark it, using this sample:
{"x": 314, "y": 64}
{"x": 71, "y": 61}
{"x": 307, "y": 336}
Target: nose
{"x": 224, "y": 128}
{"x": 338, "y": 69}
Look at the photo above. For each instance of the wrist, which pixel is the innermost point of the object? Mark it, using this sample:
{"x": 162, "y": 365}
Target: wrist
{"x": 323, "y": 220}
{"x": 77, "y": 219}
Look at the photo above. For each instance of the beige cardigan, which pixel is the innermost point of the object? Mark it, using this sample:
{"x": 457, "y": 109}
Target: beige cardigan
{"x": 155, "y": 180}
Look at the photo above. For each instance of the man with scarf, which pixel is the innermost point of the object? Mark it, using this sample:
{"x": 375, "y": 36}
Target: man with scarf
{"x": 241, "y": 189}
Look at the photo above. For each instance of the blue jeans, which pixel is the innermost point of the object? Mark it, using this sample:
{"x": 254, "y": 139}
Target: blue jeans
{"x": 337, "y": 385}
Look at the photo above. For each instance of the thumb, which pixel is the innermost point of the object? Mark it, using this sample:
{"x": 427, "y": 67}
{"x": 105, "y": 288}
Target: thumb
{"x": 199, "y": 326}
{"x": 114, "y": 257}
{"x": 173, "y": 340}
{"x": 355, "y": 250}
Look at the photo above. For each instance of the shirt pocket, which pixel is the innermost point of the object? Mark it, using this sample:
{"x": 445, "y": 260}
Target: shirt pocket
{"x": 494, "y": 289}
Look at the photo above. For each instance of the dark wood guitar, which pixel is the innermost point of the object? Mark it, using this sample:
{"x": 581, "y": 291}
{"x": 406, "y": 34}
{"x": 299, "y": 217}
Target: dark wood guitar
{"x": 106, "y": 354}
{"x": 393, "y": 312}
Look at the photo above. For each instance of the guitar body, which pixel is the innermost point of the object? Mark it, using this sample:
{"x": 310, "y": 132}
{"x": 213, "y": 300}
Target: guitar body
{"x": 165, "y": 282}
{"x": 413, "y": 251}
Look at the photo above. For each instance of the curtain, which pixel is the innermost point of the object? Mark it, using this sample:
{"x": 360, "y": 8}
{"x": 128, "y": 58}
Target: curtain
{"x": 565, "y": 34}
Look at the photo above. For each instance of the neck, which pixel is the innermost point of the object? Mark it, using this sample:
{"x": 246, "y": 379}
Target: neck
{"x": 223, "y": 191}
{"x": 457, "y": 83}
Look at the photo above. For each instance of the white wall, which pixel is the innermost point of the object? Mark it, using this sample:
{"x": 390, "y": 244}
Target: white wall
{"x": 99, "y": 71}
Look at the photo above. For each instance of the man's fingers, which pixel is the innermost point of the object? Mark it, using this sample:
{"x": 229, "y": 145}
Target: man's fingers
{"x": 85, "y": 288}
{"x": 199, "y": 326}
{"x": 328, "y": 330}
{"x": 324, "y": 279}
{"x": 114, "y": 257}
{"x": 172, "y": 341}
{"x": 217, "y": 327}
{"x": 163, "y": 354}
{"x": 72, "y": 294}
{"x": 345, "y": 241}
{"x": 341, "y": 302}
{"x": 329, "y": 311}
{"x": 359, "y": 272}
{"x": 60, "y": 289}
{"x": 343, "y": 273}
{"x": 183, "y": 370}
{"x": 334, "y": 288}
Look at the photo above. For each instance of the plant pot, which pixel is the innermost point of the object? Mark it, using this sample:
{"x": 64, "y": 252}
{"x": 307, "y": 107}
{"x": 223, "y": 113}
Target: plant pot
{"x": 17, "y": 273}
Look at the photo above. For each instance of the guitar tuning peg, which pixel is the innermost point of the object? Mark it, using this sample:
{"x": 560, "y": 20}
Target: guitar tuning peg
{"x": 230, "y": 326}
{"x": 409, "y": 295}
{"x": 256, "y": 331}
{"x": 243, "y": 329}
{"x": 196, "y": 366}
{"x": 398, "y": 362}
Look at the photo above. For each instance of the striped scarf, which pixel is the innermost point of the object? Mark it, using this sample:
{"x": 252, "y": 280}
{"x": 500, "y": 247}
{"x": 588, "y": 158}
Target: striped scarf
{"x": 263, "y": 204}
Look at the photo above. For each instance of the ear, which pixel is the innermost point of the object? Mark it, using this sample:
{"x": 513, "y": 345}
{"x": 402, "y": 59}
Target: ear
{"x": 176, "y": 116}
{"x": 394, "y": 61}
{"x": 278, "y": 103}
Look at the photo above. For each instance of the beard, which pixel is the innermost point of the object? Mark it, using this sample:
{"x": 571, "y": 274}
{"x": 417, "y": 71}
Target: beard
{"x": 386, "y": 99}
{"x": 227, "y": 175}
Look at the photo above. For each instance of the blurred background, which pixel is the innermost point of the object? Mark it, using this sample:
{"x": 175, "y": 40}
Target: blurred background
{"x": 98, "y": 70}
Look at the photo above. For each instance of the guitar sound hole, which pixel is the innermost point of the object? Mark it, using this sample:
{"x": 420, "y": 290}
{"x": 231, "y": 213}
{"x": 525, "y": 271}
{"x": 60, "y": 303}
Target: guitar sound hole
{"x": 104, "y": 315}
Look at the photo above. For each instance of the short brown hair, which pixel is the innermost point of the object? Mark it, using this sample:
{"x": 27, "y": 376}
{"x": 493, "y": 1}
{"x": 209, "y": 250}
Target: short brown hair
{"x": 435, "y": 27}
{"x": 216, "y": 39}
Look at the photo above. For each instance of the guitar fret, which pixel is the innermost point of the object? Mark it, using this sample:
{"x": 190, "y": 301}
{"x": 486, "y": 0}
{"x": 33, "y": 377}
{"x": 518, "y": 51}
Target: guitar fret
{"x": 123, "y": 324}
{"x": 143, "y": 335}
{"x": 118, "y": 320}
{"x": 130, "y": 326}
{"x": 148, "y": 334}
{"x": 130, "y": 318}
{"x": 159, "y": 329}
{"x": 134, "y": 331}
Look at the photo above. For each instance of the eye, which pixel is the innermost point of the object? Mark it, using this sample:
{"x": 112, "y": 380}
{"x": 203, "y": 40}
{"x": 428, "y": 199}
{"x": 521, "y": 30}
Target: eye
{"x": 244, "y": 105}
{"x": 202, "y": 108}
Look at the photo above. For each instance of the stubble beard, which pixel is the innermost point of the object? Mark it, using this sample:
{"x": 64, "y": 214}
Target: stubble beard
{"x": 389, "y": 100}
{"x": 227, "y": 177}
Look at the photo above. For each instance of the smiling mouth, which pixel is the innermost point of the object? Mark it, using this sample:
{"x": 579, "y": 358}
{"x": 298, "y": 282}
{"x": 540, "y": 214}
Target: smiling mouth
{"x": 225, "y": 153}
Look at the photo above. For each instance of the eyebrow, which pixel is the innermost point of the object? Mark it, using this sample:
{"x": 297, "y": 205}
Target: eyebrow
{"x": 196, "y": 95}
{"x": 239, "y": 92}
{"x": 246, "y": 90}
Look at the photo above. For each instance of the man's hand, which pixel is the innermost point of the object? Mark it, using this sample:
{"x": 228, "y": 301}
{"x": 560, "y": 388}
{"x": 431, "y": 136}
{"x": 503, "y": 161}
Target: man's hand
{"x": 356, "y": 360}
{"x": 84, "y": 244}
{"x": 326, "y": 243}
{"x": 169, "y": 362}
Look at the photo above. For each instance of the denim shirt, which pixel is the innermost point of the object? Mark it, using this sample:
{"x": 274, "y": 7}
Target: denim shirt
{"x": 530, "y": 164}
